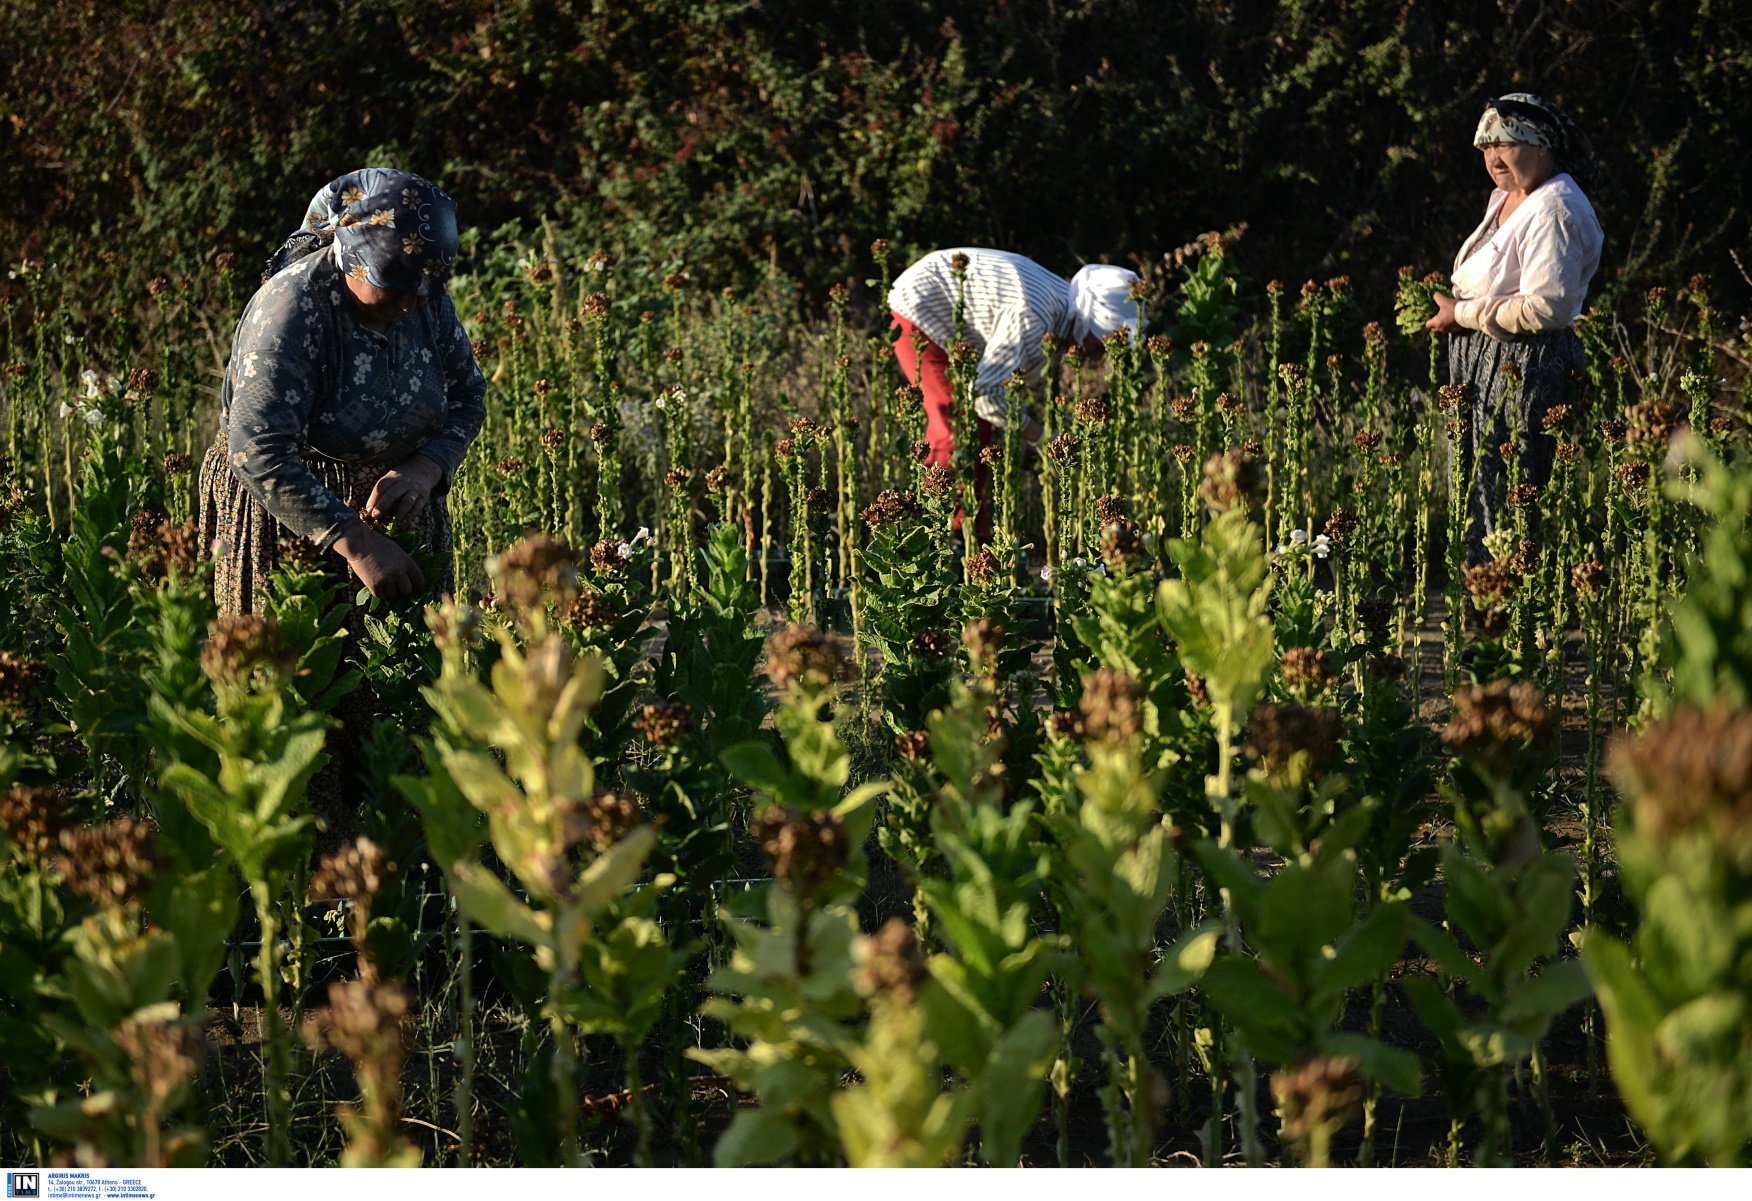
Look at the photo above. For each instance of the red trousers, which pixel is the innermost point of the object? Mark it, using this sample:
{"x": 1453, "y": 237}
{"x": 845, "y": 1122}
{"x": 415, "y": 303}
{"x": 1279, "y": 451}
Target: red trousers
{"x": 930, "y": 374}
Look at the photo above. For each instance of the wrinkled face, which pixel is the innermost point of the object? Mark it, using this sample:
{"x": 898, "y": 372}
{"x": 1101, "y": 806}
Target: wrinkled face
{"x": 381, "y": 305}
{"x": 1517, "y": 166}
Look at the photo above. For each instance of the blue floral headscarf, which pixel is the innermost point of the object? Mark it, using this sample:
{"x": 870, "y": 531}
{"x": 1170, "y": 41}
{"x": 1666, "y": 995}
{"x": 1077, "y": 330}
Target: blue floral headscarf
{"x": 388, "y": 228}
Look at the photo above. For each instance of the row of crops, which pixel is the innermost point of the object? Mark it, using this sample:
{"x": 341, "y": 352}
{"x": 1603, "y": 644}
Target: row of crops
{"x": 1224, "y": 802}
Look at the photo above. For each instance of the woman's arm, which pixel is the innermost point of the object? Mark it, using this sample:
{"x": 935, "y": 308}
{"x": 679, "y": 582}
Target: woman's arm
{"x": 1556, "y": 266}
{"x": 1014, "y": 346}
{"x": 274, "y": 383}
{"x": 467, "y": 389}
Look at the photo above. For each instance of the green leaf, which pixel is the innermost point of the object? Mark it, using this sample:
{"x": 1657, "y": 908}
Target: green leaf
{"x": 1186, "y": 961}
{"x": 1009, "y": 1088}
{"x": 1559, "y": 986}
{"x": 754, "y": 763}
{"x": 1398, "y": 1069}
{"x": 486, "y": 900}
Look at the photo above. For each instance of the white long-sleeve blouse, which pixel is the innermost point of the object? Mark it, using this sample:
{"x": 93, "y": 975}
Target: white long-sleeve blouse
{"x": 1530, "y": 274}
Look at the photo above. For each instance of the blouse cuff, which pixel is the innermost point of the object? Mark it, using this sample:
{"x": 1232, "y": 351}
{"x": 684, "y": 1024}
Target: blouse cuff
{"x": 325, "y": 538}
{"x": 1468, "y": 313}
{"x": 447, "y": 453}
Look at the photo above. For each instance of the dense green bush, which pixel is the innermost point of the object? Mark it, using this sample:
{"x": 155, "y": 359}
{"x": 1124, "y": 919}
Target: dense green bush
{"x": 741, "y": 138}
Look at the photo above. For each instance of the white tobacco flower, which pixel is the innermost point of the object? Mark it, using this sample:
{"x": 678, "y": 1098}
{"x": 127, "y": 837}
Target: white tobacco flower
{"x": 626, "y": 550}
{"x": 1046, "y": 575}
{"x": 643, "y": 535}
{"x": 1298, "y": 537}
{"x": 1322, "y": 546}
{"x": 93, "y": 417}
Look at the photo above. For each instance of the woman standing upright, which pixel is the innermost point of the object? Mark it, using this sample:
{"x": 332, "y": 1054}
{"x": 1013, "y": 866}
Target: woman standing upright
{"x": 351, "y": 396}
{"x": 1519, "y": 284}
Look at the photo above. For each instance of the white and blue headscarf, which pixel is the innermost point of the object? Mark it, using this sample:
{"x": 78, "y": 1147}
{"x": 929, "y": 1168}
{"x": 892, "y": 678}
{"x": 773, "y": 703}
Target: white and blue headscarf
{"x": 388, "y": 228}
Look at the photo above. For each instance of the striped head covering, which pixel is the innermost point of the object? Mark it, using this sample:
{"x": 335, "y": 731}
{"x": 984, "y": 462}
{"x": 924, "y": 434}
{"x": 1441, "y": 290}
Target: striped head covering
{"x": 388, "y": 228}
{"x": 1101, "y": 301}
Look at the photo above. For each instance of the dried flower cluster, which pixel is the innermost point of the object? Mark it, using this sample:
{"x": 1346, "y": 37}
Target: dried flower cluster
{"x": 1305, "y": 671}
{"x": 603, "y": 819}
{"x": 889, "y": 963}
{"x": 1122, "y": 546}
{"x": 1062, "y": 448}
{"x": 240, "y": 645}
{"x": 806, "y": 660}
{"x": 19, "y": 677}
{"x": 938, "y": 483}
{"x": 1494, "y": 724}
{"x": 912, "y": 744}
{"x": 933, "y": 644}
{"x": 983, "y": 569}
{"x": 536, "y": 570}
{"x": 664, "y": 723}
{"x": 1319, "y": 1094}
{"x": 1111, "y": 707}
{"x": 1691, "y": 773}
{"x": 1233, "y": 480}
{"x": 1492, "y": 583}
{"x": 806, "y": 850}
{"x": 1278, "y": 732}
{"x": 893, "y": 507}
{"x": 1650, "y": 425}
{"x": 1093, "y": 410}
{"x": 32, "y": 819}
{"x": 112, "y": 866}
{"x": 606, "y": 558}
{"x": 1588, "y": 578}
{"x": 1341, "y": 525}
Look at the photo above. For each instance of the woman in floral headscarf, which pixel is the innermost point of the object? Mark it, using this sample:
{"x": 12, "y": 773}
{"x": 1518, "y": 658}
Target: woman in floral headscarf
{"x": 1519, "y": 284}
{"x": 351, "y": 395}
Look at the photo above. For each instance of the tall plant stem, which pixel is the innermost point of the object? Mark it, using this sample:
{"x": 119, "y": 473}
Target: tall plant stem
{"x": 641, "y": 1115}
{"x": 465, "y": 1044}
{"x": 1242, "y": 1063}
{"x": 565, "y": 1074}
{"x": 276, "y": 1056}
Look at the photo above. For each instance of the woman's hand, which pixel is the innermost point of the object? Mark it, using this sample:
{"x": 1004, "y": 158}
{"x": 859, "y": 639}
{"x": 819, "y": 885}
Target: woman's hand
{"x": 382, "y": 566}
{"x": 403, "y": 491}
{"x": 1444, "y": 322}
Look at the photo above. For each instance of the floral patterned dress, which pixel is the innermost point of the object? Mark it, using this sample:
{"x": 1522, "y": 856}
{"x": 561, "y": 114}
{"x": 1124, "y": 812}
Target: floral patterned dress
{"x": 317, "y": 408}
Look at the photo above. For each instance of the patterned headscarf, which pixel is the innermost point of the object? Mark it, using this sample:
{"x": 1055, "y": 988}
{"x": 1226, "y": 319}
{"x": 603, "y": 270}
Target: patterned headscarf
{"x": 388, "y": 228}
{"x": 1535, "y": 121}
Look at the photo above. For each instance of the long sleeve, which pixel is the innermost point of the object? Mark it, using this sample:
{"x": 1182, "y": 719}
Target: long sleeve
{"x": 1529, "y": 273}
{"x": 273, "y": 384}
{"x": 1014, "y": 346}
{"x": 1555, "y": 272}
{"x": 466, "y": 388}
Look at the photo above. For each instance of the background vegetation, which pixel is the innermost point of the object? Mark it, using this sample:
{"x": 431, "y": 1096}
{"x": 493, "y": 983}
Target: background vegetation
{"x": 739, "y": 139}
